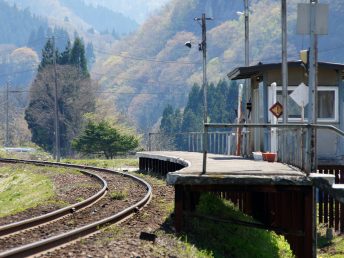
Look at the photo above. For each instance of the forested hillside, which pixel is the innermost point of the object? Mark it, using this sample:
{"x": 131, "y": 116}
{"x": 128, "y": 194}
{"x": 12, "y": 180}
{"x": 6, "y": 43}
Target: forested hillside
{"x": 16, "y": 25}
{"x": 100, "y": 18}
{"x": 222, "y": 107}
{"x": 137, "y": 10}
{"x": 16, "y": 60}
{"x": 78, "y": 16}
{"x": 152, "y": 68}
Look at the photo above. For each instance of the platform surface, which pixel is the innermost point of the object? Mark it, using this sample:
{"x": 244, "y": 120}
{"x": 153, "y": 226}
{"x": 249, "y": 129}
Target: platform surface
{"x": 226, "y": 170}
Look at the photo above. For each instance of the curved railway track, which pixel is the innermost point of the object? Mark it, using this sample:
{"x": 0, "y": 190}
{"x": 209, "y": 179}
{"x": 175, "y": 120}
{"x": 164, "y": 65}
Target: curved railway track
{"x": 31, "y": 236}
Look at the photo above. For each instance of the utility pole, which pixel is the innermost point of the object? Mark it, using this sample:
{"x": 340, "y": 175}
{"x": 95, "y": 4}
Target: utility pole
{"x": 203, "y": 48}
{"x": 56, "y": 112}
{"x": 6, "y": 110}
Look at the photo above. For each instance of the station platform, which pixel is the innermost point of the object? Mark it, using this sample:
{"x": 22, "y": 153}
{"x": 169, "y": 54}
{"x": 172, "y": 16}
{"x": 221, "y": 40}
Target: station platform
{"x": 278, "y": 195}
{"x": 226, "y": 170}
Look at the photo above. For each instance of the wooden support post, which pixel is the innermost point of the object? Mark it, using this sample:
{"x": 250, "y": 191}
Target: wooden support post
{"x": 140, "y": 164}
{"x": 178, "y": 208}
{"x": 309, "y": 225}
{"x": 321, "y": 205}
{"x": 145, "y": 164}
{"x": 336, "y": 207}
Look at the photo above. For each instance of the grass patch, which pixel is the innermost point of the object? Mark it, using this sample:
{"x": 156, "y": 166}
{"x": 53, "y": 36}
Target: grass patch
{"x": 329, "y": 248}
{"x": 21, "y": 189}
{"x": 113, "y": 233}
{"x": 227, "y": 238}
{"x": 104, "y": 163}
{"x": 118, "y": 195}
{"x": 38, "y": 154}
{"x": 186, "y": 249}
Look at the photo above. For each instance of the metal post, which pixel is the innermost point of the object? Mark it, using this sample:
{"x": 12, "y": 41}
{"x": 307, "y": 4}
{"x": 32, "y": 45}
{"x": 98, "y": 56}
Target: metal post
{"x": 284, "y": 62}
{"x": 149, "y": 142}
{"x": 312, "y": 110}
{"x": 205, "y": 118}
{"x": 312, "y": 82}
{"x": 57, "y": 129}
{"x": 203, "y": 48}
{"x": 247, "y": 81}
{"x": 284, "y": 71}
{"x": 6, "y": 106}
{"x": 238, "y": 136}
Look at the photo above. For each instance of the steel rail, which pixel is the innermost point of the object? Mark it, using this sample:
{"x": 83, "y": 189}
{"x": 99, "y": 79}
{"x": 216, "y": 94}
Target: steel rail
{"x": 52, "y": 242}
{"x": 33, "y": 222}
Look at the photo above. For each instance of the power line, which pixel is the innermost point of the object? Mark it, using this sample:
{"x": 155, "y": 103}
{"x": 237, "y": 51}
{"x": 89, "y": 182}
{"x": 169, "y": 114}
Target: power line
{"x": 146, "y": 59}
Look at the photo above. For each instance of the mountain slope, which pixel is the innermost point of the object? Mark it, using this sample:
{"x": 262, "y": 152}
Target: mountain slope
{"x": 152, "y": 68}
{"x": 138, "y": 10}
{"x": 75, "y": 15}
{"x": 101, "y": 18}
{"x": 16, "y": 25}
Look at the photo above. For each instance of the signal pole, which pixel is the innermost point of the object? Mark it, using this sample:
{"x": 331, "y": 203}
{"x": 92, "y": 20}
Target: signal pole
{"x": 56, "y": 111}
{"x": 203, "y": 48}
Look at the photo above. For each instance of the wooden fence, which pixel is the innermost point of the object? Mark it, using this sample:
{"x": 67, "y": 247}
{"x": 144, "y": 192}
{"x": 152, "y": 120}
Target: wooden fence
{"x": 330, "y": 211}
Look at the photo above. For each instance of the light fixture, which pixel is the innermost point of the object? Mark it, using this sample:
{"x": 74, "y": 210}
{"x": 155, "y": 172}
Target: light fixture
{"x": 239, "y": 13}
{"x": 188, "y": 44}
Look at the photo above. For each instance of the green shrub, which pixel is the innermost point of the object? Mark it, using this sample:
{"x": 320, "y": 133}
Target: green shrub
{"x": 231, "y": 240}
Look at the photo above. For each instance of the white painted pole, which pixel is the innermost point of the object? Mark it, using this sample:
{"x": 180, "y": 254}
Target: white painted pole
{"x": 274, "y": 142}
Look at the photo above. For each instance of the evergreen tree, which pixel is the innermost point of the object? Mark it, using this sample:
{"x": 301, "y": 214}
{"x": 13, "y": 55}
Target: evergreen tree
{"x": 192, "y": 122}
{"x": 47, "y": 55}
{"x": 195, "y": 100}
{"x": 90, "y": 55}
{"x": 167, "y": 120}
{"x": 103, "y": 138}
{"x": 65, "y": 55}
{"x": 77, "y": 57}
{"x": 222, "y": 102}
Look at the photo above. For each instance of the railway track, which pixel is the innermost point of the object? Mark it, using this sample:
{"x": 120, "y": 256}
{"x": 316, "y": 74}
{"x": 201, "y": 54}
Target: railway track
{"x": 113, "y": 203}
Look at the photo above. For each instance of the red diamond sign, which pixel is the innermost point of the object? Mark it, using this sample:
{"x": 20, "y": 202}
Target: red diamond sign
{"x": 276, "y": 109}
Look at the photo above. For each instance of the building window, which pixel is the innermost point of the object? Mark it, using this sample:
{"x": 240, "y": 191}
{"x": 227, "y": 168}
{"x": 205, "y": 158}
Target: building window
{"x": 327, "y": 104}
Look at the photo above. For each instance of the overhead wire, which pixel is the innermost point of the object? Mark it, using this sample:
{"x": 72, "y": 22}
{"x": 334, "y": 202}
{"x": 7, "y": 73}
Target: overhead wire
{"x": 146, "y": 59}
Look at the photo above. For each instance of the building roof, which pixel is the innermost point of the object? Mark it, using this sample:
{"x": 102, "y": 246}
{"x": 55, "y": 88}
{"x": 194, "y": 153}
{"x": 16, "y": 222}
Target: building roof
{"x": 256, "y": 70}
